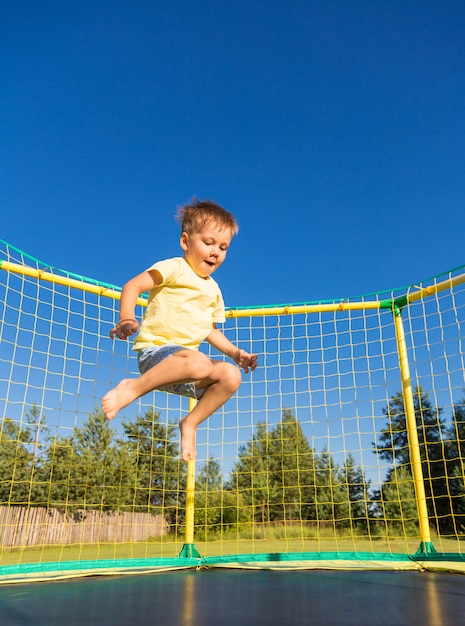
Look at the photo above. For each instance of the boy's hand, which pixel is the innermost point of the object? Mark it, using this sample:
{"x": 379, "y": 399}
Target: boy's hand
{"x": 124, "y": 328}
{"x": 246, "y": 361}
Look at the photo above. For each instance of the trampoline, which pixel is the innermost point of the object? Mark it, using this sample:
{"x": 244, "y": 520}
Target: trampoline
{"x": 224, "y": 597}
{"x": 288, "y": 517}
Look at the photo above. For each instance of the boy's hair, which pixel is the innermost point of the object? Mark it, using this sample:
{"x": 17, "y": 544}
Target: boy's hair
{"x": 194, "y": 216}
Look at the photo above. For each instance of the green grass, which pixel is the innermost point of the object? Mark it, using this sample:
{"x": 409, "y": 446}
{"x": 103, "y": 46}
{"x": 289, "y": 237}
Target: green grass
{"x": 278, "y": 540}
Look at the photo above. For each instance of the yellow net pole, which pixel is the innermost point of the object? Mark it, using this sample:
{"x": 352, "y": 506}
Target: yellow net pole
{"x": 189, "y": 549}
{"x": 190, "y": 502}
{"x": 190, "y": 493}
{"x": 414, "y": 446}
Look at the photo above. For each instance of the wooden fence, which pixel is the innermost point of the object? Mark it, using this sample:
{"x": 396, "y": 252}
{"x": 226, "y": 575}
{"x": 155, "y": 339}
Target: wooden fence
{"x": 28, "y": 527}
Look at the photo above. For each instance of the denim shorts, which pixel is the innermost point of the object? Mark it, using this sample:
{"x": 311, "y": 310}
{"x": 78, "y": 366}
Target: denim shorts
{"x": 149, "y": 357}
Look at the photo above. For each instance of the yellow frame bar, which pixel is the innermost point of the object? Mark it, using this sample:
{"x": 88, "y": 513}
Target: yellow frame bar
{"x": 412, "y": 433}
{"x": 304, "y": 308}
{"x": 433, "y": 289}
{"x": 236, "y": 313}
{"x": 190, "y": 492}
{"x": 64, "y": 280}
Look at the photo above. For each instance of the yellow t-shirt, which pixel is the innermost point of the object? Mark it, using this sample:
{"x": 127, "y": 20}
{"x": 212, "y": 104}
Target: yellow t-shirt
{"x": 182, "y": 309}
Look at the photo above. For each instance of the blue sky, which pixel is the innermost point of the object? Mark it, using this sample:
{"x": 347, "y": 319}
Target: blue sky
{"x": 333, "y": 130}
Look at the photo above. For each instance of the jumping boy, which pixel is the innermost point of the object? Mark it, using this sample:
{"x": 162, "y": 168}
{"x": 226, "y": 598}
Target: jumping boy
{"x": 184, "y": 306}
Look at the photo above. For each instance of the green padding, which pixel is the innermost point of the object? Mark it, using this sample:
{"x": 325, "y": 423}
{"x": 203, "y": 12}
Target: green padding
{"x": 306, "y": 556}
{"x": 438, "y": 556}
{"x": 184, "y": 561}
{"x": 426, "y": 547}
{"x": 189, "y": 551}
{"x": 92, "y": 566}
{"x": 294, "y": 560}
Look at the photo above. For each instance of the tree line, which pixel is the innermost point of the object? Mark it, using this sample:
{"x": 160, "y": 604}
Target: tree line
{"x": 278, "y": 476}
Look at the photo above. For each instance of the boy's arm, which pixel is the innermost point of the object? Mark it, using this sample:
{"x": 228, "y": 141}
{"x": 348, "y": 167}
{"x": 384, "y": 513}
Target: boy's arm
{"x": 131, "y": 291}
{"x": 244, "y": 359}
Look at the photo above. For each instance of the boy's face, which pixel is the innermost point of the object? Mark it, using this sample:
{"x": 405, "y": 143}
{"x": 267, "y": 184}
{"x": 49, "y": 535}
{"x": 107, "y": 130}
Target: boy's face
{"x": 206, "y": 250}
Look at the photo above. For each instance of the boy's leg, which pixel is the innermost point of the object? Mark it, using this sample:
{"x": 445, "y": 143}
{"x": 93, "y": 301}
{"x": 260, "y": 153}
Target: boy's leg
{"x": 183, "y": 366}
{"x": 219, "y": 386}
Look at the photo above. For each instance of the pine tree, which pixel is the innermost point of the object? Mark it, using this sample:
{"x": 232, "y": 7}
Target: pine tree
{"x": 88, "y": 470}
{"x": 399, "y": 503}
{"x": 455, "y": 451}
{"x": 218, "y": 506}
{"x": 357, "y": 488}
{"x": 292, "y": 470}
{"x": 16, "y": 463}
{"x": 275, "y": 472}
{"x": 251, "y": 475}
{"x": 22, "y": 445}
{"x": 393, "y": 446}
{"x": 160, "y": 475}
{"x": 332, "y": 496}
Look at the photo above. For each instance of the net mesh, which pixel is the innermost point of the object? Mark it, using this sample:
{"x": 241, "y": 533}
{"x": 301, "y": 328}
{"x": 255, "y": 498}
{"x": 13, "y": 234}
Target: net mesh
{"x": 312, "y": 455}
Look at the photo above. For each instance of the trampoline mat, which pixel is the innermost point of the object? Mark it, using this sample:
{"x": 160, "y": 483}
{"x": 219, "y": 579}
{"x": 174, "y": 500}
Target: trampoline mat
{"x": 223, "y": 597}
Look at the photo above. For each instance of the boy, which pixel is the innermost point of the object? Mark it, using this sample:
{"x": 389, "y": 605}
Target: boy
{"x": 184, "y": 306}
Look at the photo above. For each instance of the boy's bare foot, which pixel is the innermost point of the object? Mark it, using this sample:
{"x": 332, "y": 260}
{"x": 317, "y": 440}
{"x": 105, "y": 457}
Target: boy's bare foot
{"x": 187, "y": 440}
{"x": 117, "y": 398}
